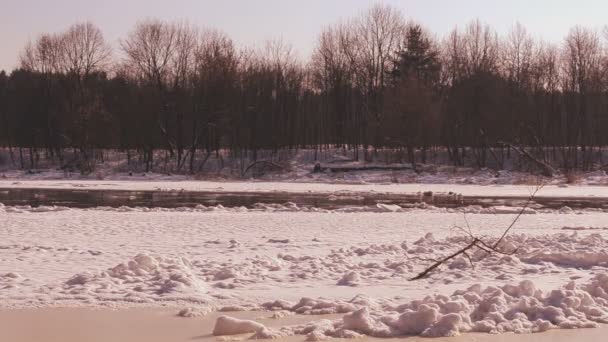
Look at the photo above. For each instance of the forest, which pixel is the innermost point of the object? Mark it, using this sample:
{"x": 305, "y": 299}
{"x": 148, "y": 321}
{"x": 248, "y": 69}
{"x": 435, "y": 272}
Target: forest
{"x": 377, "y": 81}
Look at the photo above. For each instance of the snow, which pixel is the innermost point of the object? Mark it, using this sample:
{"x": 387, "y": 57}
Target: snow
{"x": 355, "y": 262}
{"x": 520, "y": 308}
{"x": 146, "y": 276}
{"x": 352, "y": 262}
{"x": 349, "y": 279}
{"x": 232, "y": 326}
{"x": 244, "y": 258}
{"x": 290, "y": 207}
{"x": 194, "y": 312}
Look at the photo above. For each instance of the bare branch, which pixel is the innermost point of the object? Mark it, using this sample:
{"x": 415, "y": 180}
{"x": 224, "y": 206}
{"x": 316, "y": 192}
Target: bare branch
{"x": 478, "y": 242}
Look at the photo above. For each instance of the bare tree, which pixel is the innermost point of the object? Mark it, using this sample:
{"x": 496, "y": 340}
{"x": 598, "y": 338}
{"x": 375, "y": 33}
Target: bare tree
{"x": 182, "y": 72}
{"x": 333, "y": 76}
{"x": 370, "y": 42}
{"x": 182, "y": 90}
{"x": 582, "y": 57}
{"x": 84, "y": 50}
{"x": 43, "y": 55}
{"x": 471, "y": 58}
{"x": 481, "y": 48}
{"x": 214, "y": 81}
{"x": 517, "y": 55}
{"x": 84, "y": 55}
{"x": 150, "y": 50}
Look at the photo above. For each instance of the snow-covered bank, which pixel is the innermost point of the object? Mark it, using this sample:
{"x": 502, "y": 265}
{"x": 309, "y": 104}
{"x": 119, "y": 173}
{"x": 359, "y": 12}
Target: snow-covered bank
{"x": 298, "y": 166}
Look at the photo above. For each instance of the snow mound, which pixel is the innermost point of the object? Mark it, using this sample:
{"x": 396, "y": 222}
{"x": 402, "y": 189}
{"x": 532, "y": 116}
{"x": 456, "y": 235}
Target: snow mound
{"x": 144, "y": 278}
{"x": 310, "y": 306}
{"x": 390, "y": 208}
{"x": 226, "y": 325}
{"x": 568, "y": 250}
{"x": 195, "y": 312}
{"x": 512, "y": 308}
{"x": 11, "y": 275}
{"x": 581, "y": 259}
{"x": 350, "y": 279}
{"x": 520, "y": 308}
{"x": 11, "y": 280}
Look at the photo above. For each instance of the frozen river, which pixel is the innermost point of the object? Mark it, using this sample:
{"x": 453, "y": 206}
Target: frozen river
{"x": 89, "y": 194}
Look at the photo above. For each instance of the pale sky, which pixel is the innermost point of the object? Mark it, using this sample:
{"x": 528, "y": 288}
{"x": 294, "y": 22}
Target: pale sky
{"x": 251, "y": 22}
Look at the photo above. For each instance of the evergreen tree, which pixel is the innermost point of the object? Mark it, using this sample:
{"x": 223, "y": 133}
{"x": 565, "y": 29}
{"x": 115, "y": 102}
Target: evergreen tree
{"x": 417, "y": 58}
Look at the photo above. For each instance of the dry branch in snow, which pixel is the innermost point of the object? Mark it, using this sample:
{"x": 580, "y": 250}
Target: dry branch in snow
{"x": 478, "y": 242}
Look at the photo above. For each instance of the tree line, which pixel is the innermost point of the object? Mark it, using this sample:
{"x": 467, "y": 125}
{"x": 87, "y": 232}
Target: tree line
{"x": 375, "y": 81}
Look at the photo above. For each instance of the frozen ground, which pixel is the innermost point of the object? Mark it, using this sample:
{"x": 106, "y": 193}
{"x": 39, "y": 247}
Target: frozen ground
{"x": 214, "y": 259}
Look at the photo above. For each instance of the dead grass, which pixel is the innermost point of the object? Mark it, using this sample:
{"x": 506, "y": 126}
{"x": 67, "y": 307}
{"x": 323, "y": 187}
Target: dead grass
{"x": 573, "y": 177}
{"x": 526, "y": 179}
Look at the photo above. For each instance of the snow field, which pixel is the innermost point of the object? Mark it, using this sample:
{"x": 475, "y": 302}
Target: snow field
{"x": 288, "y": 260}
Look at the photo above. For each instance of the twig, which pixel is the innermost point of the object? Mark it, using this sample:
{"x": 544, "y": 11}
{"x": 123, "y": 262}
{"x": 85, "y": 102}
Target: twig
{"x": 440, "y": 262}
{"x": 467, "y": 222}
{"x": 421, "y": 259}
{"x": 521, "y": 212}
{"x": 546, "y": 169}
{"x": 470, "y": 261}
